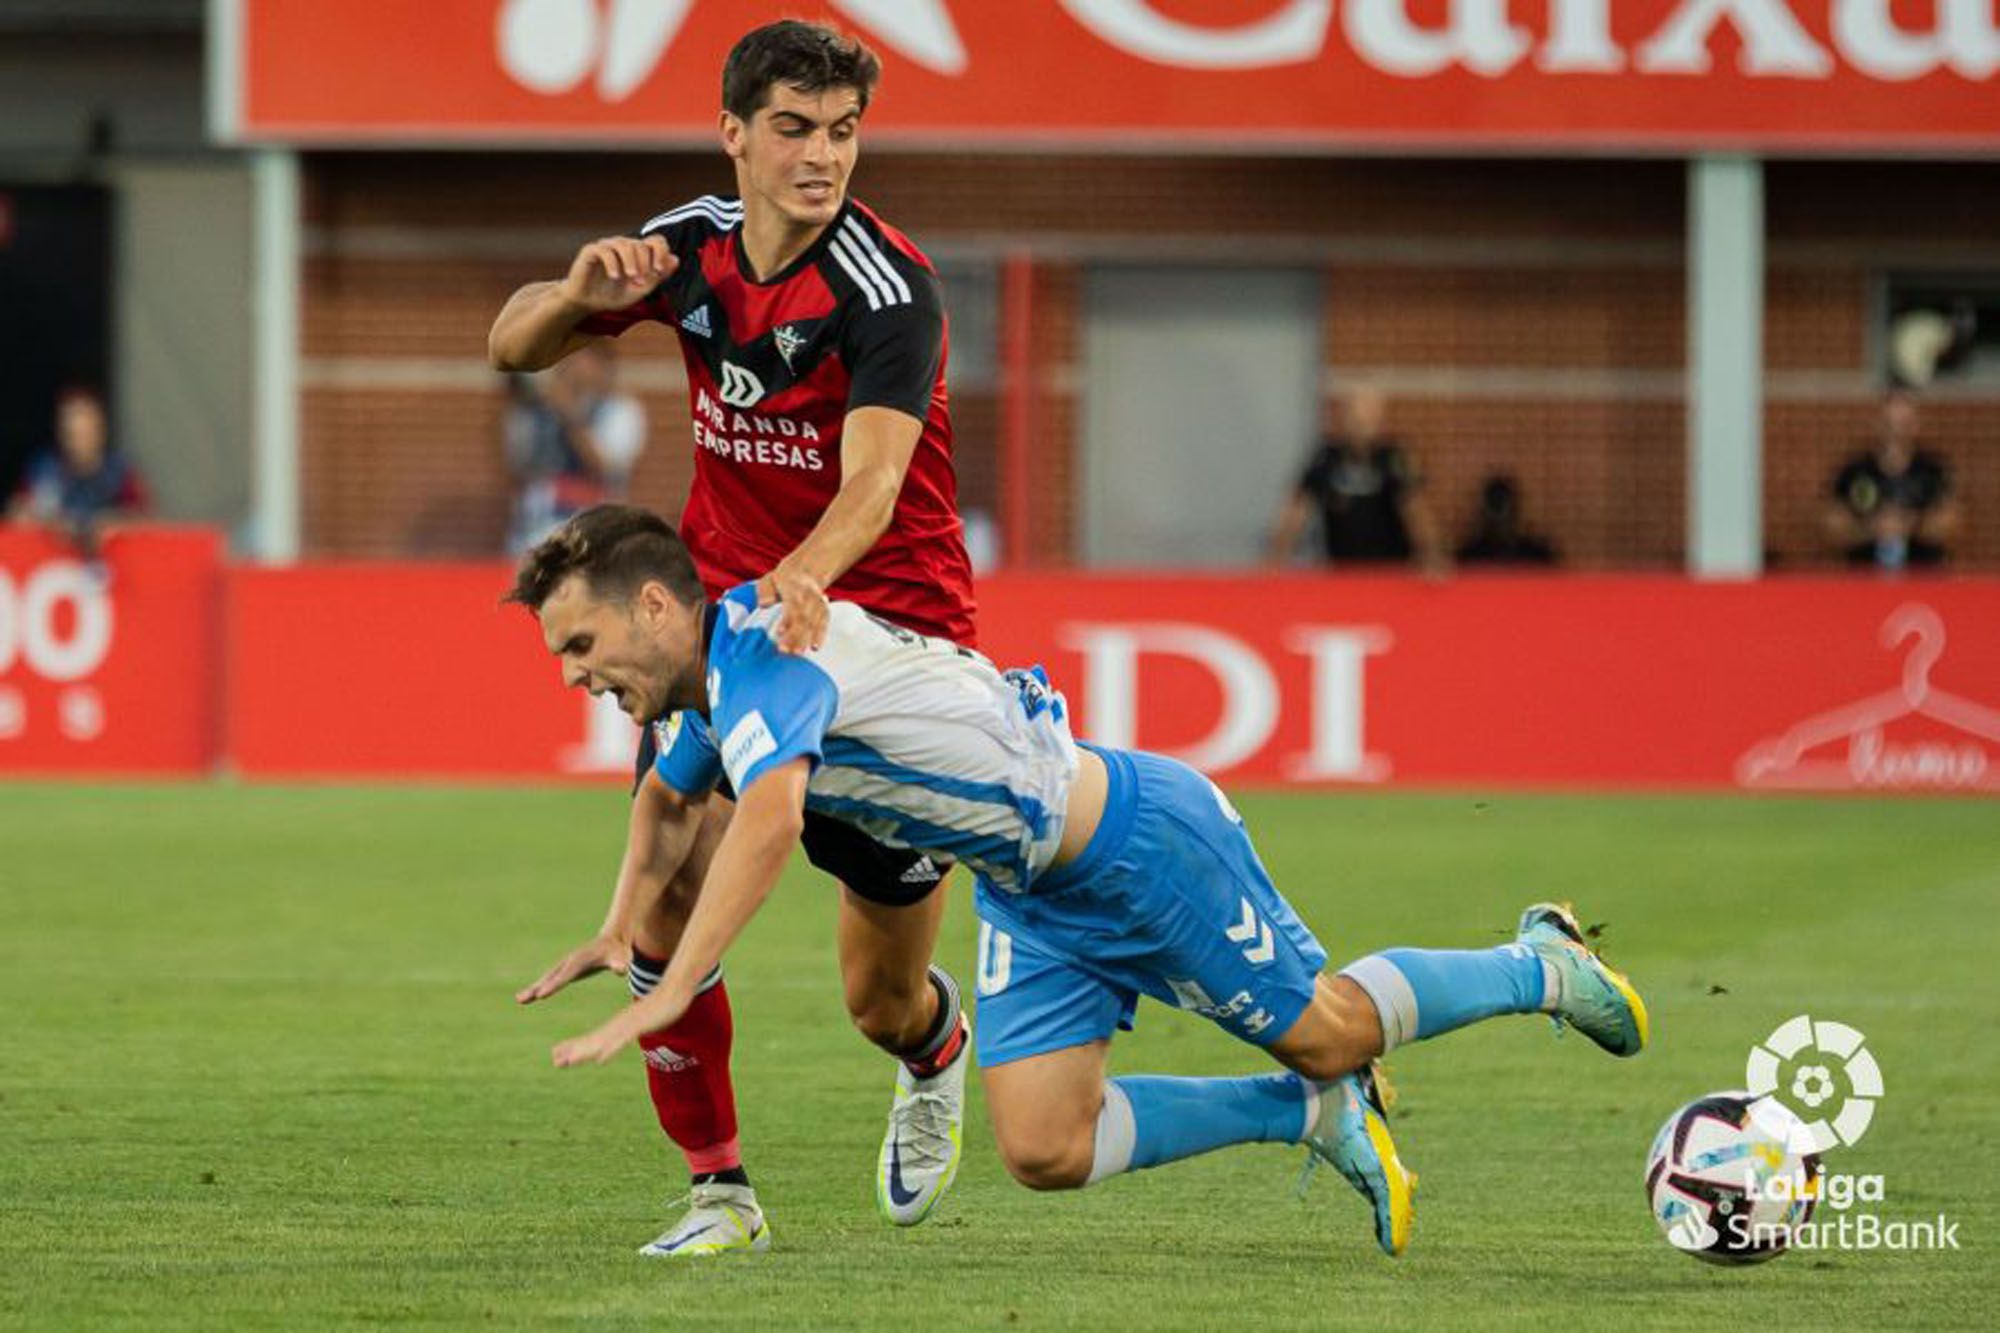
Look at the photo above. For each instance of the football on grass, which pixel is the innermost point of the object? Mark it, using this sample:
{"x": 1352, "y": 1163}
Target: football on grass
{"x": 1724, "y": 1181}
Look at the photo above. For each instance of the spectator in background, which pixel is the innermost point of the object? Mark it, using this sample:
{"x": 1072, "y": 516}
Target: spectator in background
{"x": 1497, "y": 535}
{"x": 81, "y": 480}
{"x": 571, "y": 441}
{"x": 1367, "y": 493}
{"x": 1892, "y": 505}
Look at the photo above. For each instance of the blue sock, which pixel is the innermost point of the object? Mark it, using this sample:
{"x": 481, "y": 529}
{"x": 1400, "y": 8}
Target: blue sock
{"x": 1150, "y": 1120}
{"x": 1423, "y": 992}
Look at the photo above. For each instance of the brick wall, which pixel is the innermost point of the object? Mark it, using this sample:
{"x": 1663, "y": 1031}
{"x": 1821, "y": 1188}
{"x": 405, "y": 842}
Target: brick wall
{"x": 1526, "y": 317}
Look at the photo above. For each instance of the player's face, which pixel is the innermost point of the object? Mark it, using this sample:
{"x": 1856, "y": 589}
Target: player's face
{"x": 636, "y": 651}
{"x": 796, "y": 153}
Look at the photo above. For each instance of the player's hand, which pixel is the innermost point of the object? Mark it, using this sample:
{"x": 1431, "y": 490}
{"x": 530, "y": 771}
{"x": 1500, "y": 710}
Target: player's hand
{"x": 802, "y": 625}
{"x": 618, "y": 271}
{"x": 592, "y": 1047}
{"x": 602, "y": 954}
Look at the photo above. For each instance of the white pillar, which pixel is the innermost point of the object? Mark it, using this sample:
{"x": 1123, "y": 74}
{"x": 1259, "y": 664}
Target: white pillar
{"x": 275, "y": 335}
{"x": 1725, "y": 408}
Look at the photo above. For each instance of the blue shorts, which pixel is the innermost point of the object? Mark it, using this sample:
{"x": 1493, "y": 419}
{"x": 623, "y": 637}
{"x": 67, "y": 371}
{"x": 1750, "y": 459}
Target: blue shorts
{"x": 1168, "y": 900}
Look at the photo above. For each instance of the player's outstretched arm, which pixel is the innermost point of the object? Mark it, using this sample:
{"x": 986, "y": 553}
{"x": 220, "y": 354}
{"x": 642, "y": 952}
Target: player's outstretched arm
{"x": 602, "y": 953}
{"x": 538, "y": 325}
{"x": 658, "y": 839}
{"x": 769, "y": 817}
{"x": 876, "y": 446}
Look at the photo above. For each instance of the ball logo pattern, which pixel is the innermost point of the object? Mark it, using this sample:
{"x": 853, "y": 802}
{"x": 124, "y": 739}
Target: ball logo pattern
{"x": 1692, "y": 1232}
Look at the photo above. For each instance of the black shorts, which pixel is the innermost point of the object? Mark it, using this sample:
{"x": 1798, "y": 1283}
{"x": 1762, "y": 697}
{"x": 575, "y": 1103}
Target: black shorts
{"x": 890, "y": 876}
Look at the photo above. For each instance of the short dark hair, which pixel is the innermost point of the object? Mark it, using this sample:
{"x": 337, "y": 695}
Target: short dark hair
{"x": 811, "y": 57}
{"x": 617, "y": 549}
{"x": 79, "y": 392}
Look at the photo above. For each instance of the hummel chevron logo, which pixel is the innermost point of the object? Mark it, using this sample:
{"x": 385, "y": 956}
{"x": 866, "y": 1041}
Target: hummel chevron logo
{"x": 740, "y": 388}
{"x": 697, "y": 323}
{"x": 1263, "y": 951}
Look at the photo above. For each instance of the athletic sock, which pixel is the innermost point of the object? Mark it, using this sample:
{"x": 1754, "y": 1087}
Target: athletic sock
{"x": 1147, "y": 1121}
{"x": 947, "y": 1035}
{"x": 687, "y": 1072}
{"x": 1421, "y": 993}
{"x": 735, "y": 1175}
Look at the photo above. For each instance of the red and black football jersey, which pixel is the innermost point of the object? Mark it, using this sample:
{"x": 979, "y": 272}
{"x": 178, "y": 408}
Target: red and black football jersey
{"x": 773, "y": 368}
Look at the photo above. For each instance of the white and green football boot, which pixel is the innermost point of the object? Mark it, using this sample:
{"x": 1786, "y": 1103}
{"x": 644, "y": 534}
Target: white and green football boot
{"x": 920, "y": 1153}
{"x": 1352, "y": 1134}
{"x": 721, "y": 1219}
{"x": 1590, "y": 997}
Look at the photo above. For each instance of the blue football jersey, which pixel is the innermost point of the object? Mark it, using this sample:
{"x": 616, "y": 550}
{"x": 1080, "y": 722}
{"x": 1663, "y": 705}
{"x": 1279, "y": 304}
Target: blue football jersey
{"x": 916, "y": 741}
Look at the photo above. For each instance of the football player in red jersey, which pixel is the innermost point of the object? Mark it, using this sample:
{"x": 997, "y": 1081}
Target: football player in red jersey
{"x": 814, "y": 339}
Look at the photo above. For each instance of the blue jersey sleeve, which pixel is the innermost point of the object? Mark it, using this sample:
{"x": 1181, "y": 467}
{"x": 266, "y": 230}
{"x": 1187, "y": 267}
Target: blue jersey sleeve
{"x": 688, "y": 760}
{"x": 768, "y": 707}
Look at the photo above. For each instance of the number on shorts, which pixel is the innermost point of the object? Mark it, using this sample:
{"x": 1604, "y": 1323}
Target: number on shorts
{"x": 996, "y": 959}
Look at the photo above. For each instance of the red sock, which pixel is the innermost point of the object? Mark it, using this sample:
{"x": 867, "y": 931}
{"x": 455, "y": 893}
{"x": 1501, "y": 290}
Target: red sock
{"x": 687, "y": 1071}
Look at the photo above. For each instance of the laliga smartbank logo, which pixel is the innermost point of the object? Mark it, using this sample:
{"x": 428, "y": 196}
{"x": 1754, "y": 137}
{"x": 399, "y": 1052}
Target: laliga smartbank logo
{"x": 1816, "y": 1086}
{"x": 1826, "y": 1061}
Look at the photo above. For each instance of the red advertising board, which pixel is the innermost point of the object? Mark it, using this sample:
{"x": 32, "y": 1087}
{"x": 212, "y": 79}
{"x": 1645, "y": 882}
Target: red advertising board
{"x": 1813, "y": 684}
{"x": 1851, "y": 75}
{"x": 398, "y": 670}
{"x": 111, "y": 668}
{"x": 1817, "y": 684}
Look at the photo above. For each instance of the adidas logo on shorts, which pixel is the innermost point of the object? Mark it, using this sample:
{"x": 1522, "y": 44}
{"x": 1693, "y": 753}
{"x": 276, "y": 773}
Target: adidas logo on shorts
{"x": 697, "y": 323}
{"x": 925, "y": 871}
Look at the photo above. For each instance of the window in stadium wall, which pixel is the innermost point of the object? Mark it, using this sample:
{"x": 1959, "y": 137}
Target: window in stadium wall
{"x": 55, "y": 260}
{"x": 972, "y": 303}
{"x": 1205, "y": 383}
{"x": 1942, "y": 329}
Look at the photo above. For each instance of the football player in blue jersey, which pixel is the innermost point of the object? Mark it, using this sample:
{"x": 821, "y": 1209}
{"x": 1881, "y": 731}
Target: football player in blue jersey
{"x": 1102, "y": 875}
{"x": 813, "y": 336}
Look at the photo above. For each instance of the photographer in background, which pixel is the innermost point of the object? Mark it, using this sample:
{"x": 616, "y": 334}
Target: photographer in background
{"x": 570, "y": 440}
{"x": 1499, "y": 536}
{"x": 1367, "y": 493}
{"x": 82, "y": 479}
{"x": 1892, "y": 506}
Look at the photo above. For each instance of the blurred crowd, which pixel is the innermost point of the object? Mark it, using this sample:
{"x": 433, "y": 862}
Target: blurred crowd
{"x": 571, "y": 438}
{"x": 1361, "y": 496}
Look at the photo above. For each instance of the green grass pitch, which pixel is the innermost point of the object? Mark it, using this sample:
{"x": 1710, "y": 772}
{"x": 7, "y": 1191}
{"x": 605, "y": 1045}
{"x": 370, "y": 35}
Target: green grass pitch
{"x": 261, "y": 1069}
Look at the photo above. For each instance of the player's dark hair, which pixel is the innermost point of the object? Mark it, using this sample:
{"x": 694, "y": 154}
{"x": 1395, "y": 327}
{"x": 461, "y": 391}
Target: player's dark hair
{"x": 617, "y": 549}
{"x": 808, "y": 56}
